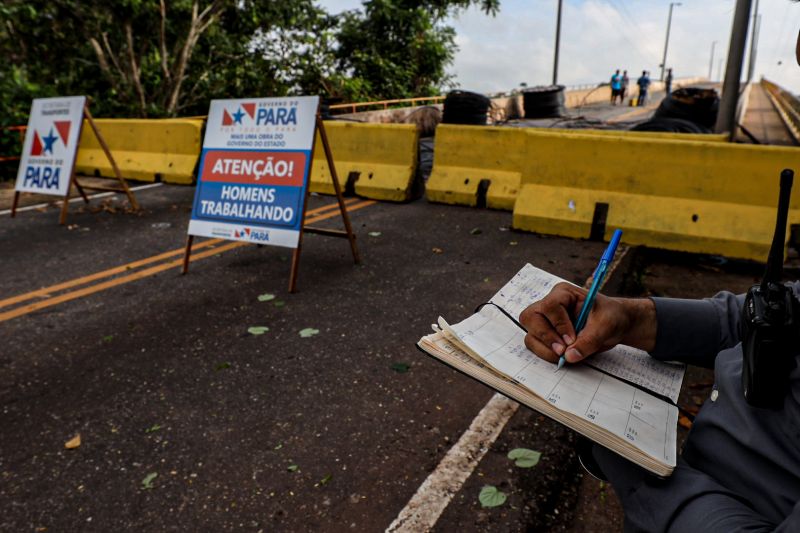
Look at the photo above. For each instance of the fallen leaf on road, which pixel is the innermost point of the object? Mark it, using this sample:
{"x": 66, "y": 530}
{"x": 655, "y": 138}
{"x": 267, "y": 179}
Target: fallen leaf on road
{"x": 278, "y": 303}
{"x": 475, "y": 231}
{"x": 147, "y": 482}
{"x": 491, "y": 497}
{"x": 326, "y": 479}
{"x": 292, "y": 468}
{"x": 374, "y": 233}
{"x": 223, "y": 366}
{"x": 266, "y": 297}
{"x": 73, "y": 443}
{"x": 684, "y": 422}
{"x": 257, "y": 330}
{"x": 400, "y": 368}
{"x": 524, "y": 458}
{"x": 308, "y": 332}
{"x": 153, "y": 428}
{"x": 437, "y": 250}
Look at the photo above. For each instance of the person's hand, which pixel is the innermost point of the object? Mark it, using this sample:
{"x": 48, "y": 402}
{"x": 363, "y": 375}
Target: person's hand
{"x": 612, "y": 321}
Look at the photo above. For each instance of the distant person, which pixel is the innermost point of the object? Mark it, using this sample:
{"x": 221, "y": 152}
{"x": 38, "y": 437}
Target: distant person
{"x": 668, "y": 82}
{"x": 616, "y": 87}
{"x": 644, "y": 85}
{"x": 624, "y": 86}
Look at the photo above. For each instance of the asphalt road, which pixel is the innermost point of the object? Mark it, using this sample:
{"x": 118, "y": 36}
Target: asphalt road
{"x": 274, "y": 432}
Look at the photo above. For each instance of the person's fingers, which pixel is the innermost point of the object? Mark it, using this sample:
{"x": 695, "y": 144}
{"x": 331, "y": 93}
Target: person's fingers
{"x": 540, "y": 328}
{"x": 589, "y": 342}
{"x": 540, "y": 349}
{"x": 559, "y": 318}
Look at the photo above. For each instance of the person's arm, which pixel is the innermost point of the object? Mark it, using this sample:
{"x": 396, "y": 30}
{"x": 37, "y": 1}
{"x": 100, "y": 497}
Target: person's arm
{"x": 689, "y": 500}
{"x": 695, "y": 331}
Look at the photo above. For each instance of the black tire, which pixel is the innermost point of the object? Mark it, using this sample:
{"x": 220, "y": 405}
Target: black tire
{"x": 544, "y": 102}
{"x": 463, "y": 107}
{"x": 673, "y": 125}
{"x": 691, "y": 103}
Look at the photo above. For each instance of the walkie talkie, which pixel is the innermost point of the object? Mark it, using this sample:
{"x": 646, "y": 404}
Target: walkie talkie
{"x": 769, "y": 331}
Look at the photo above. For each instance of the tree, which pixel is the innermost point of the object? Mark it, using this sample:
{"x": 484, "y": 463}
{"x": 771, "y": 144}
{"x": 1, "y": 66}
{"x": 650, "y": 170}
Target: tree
{"x": 400, "y": 48}
{"x": 150, "y": 58}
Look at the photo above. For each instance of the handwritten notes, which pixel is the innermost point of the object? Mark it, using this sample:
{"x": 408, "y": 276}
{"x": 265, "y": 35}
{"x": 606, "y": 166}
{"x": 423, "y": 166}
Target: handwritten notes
{"x": 645, "y": 421}
{"x": 531, "y": 284}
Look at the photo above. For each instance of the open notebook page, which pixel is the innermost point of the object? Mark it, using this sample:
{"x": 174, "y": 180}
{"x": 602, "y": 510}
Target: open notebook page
{"x": 646, "y": 421}
{"x": 531, "y": 284}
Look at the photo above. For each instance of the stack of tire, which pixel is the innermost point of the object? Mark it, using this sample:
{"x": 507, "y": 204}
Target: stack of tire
{"x": 464, "y": 107}
{"x": 544, "y": 101}
{"x": 686, "y": 110}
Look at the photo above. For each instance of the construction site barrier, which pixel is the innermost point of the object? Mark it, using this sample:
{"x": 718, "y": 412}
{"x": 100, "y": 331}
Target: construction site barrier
{"x": 376, "y": 161}
{"x": 144, "y": 149}
{"x": 482, "y": 166}
{"x": 715, "y": 198}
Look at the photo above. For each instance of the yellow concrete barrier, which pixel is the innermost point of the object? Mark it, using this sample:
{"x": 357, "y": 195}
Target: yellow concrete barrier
{"x": 144, "y": 150}
{"x": 465, "y": 156}
{"x": 382, "y": 156}
{"x": 691, "y": 196}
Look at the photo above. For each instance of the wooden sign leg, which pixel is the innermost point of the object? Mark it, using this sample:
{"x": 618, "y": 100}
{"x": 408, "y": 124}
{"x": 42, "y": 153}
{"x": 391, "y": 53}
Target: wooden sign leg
{"x": 62, "y": 219}
{"x": 345, "y": 216}
{"x": 186, "y": 254}
{"x": 14, "y": 204}
{"x": 296, "y": 253}
{"x": 107, "y": 151}
{"x": 81, "y": 191}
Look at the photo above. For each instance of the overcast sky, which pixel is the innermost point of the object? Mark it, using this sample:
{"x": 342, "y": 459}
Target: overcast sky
{"x": 598, "y": 36}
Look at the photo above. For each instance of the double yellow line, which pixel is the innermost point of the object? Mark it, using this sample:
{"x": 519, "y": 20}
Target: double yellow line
{"x": 45, "y": 295}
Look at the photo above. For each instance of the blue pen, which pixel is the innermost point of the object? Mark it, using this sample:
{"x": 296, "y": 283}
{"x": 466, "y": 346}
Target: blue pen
{"x": 597, "y": 281}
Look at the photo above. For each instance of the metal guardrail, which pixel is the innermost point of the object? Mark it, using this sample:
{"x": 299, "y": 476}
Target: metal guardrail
{"x": 386, "y": 103}
{"x": 787, "y": 105}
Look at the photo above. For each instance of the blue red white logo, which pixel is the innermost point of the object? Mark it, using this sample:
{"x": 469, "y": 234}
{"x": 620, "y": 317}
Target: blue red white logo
{"x": 242, "y": 234}
{"x": 42, "y": 145}
{"x": 243, "y": 110}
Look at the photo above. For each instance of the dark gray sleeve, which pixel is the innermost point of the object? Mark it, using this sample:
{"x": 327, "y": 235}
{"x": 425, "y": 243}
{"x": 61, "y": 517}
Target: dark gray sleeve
{"x": 689, "y": 500}
{"x": 694, "y": 331}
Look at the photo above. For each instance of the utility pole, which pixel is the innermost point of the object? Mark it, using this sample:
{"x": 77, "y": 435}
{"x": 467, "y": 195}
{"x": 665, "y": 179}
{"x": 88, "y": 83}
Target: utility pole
{"x": 754, "y": 47}
{"x": 666, "y": 43}
{"x": 719, "y": 69}
{"x": 711, "y": 62}
{"x": 558, "y": 42}
{"x": 726, "y": 118}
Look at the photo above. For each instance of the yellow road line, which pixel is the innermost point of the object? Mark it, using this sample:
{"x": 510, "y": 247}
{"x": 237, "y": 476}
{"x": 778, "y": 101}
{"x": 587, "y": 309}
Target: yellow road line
{"x": 26, "y": 309}
{"x": 46, "y": 291}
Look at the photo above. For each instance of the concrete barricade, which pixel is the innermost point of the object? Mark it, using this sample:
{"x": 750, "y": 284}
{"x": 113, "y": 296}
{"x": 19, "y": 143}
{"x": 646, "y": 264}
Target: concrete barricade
{"x": 706, "y": 197}
{"x": 144, "y": 149}
{"x": 379, "y": 160}
{"x": 468, "y": 159}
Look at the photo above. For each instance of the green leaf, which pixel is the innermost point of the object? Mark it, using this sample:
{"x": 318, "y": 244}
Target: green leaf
{"x": 326, "y": 479}
{"x": 257, "y": 330}
{"x": 475, "y": 231}
{"x": 223, "y": 366}
{"x": 374, "y": 233}
{"x": 278, "y": 303}
{"x": 266, "y": 297}
{"x": 491, "y": 497}
{"x": 292, "y": 468}
{"x": 400, "y": 368}
{"x": 108, "y": 338}
{"x": 147, "y": 482}
{"x": 524, "y": 458}
{"x": 278, "y": 447}
{"x": 153, "y": 428}
{"x": 308, "y": 332}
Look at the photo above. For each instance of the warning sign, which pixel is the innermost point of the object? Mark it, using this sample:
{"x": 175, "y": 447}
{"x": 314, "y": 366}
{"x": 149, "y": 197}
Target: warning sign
{"x": 254, "y": 170}
{"x": 51, "y": 142}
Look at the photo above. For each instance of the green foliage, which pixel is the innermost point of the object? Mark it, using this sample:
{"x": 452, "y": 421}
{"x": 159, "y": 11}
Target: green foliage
{"x": 524, "y": 458}
{"x": 148, "y": 58}
{"x": 490, "y": 496}
{"x": 399, "y": 48}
